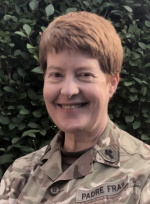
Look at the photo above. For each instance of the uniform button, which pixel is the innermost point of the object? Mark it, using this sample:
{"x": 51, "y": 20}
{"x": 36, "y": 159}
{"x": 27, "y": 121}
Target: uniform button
{"x": 54, "y": 190}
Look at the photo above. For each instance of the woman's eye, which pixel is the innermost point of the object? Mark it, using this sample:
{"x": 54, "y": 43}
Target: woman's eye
{"x": 54, "y": 76}
{"x": 86, "y": 76}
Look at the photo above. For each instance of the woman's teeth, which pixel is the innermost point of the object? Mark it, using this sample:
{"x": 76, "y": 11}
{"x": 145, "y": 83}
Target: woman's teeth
{"x": 71, "y": 106}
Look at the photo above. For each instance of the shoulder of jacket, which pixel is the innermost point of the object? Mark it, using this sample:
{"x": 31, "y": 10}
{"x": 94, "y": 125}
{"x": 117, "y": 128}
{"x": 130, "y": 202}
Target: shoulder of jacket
{"x": 133, "y": 145}
{"x": 28, "y": 161}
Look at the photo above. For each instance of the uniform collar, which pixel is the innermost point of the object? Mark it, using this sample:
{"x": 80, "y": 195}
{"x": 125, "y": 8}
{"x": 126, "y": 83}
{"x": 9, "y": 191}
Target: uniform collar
{"x": 106, "y": 151}
{"x": 108, "y": 146}
{"x": 52, "y": 162}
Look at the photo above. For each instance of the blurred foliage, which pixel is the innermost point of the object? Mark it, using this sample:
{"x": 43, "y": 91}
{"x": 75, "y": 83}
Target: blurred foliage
{"x": 24, "y": 123}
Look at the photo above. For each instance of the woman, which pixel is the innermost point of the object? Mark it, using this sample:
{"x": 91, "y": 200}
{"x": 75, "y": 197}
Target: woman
{"x": 90, "y": 160}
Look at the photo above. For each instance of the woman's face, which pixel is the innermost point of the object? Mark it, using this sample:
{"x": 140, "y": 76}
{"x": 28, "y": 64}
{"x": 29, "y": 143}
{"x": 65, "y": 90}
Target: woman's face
{"x": 77, "y": 92}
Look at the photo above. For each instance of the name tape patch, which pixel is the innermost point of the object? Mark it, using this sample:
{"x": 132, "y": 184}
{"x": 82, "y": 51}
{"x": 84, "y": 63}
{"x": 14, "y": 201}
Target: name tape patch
{"x": 102, "y": 190}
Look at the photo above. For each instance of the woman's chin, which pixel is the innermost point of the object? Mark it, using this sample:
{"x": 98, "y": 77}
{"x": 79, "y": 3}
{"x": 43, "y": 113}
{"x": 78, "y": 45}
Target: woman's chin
{"x": 70, "y": 129}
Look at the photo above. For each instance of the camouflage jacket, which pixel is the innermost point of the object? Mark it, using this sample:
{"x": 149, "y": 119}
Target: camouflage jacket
{"x": 115, "y": 171}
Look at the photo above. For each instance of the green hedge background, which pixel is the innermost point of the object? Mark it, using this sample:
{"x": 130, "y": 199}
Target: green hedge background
{"x": 24, "y": 122}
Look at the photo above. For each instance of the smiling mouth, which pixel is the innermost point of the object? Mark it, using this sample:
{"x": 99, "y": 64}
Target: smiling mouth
{"x": 72, "y": 106}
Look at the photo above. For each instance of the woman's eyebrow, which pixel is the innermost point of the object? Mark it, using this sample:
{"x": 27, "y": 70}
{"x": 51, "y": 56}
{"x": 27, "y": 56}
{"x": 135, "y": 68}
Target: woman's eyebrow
{"x": 77, "y": 68}
{"x": 83, "y": 68}
{"x": 55, "y": 67}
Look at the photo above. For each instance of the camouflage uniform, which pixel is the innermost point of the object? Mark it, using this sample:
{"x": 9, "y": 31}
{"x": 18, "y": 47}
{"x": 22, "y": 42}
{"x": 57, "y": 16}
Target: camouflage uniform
{"x": 115, "y": 171}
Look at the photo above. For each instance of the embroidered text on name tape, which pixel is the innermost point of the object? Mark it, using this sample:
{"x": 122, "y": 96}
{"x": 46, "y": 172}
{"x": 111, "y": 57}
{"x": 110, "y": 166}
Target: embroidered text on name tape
{"x": 102, "y": 190}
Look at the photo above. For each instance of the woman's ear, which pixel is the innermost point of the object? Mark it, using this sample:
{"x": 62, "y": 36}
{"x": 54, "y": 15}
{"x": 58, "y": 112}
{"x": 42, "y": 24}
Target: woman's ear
{"x": 113, "y": 84}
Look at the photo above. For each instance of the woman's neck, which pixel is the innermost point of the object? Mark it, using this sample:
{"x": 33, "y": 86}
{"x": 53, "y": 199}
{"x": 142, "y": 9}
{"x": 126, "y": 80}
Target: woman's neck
{"x": 81, "y": 140}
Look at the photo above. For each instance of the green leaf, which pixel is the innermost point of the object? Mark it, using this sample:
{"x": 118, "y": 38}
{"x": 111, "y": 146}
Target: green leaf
{"x": 128, "y": 83}
{"x": 24, "y": 112}
{"x": 24, "y": 55}
{"x": 138, "y": 80}
{"x": 146, "y": 115}
{"x": 29, "y": 46}
{"x": 147, "y": 23}
{"x": 33, "y": 125}
{"x": 25, "y": 20}
{"x": 49, "y": 10}
{"x": 6, "y": 158}
{"x": 133, "y": 90}
{"x": 11, "y": 126}
{"x": 148, "y": 46}
{"x": 144, "y": 90}
{"x": 20, "y": 107}
{"x": 147, "y": 65}
{"x": 9, "y": 89}
{"x": 17, "y": 52}
{"x": 95, "y": 2}
{"x": 9, "y": 148}
{"x": 129, "y": 118}
{"x": 71, "y": 10}
{"x": 8, "y": 17}
{"x": 37, "y": 113}
{"x": 135, "y": 56}
{"x": 32, "y": 94}
{"x": 145, "y": 110}
{"x": 128, "y": 8}
{"x": 136, "y": 4}
{"x": 28, "y": 132}
{"x": 21, "y": 34}
{"x": 14, "y": 140}
{"x": 11, "y": 44}
{"x": 18, "y": 10}
{"x": 27, "y": 29}
{"x": 37, "y": 70}
{"x": 27, "y": 149}
{"x": 136, "y": 125}
{"x": 145, "y": 137}
{"x": 133, "y": 63}
{"x": 32, "y": 135}
{"x": 2, "y": 150}
{"x": 21, "y": 72}
{"x": 36, "y": 58}
{"x": 10, "y": 107}
{"x": 43, "y": 28}
{"x": 142, "y": 45}
{"x": 4, "y": 120}
{"x": 33, "y": 4}
{"x": 21, "y": 126}
{"x": 86, "y": 3}
{"x": 43, "y": 132}
{"x": 133, "y": 97}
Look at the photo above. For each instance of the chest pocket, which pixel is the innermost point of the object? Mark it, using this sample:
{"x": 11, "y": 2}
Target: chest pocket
{"x": 122, "y": 191}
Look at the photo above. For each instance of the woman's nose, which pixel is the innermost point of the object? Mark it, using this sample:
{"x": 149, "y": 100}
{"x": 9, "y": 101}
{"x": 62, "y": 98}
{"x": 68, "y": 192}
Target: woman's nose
{"x": 69, "y": 88}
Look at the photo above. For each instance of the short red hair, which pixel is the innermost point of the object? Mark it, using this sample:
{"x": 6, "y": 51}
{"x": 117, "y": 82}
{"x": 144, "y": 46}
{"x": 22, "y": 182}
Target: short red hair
{"x": 86, "y": 32}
